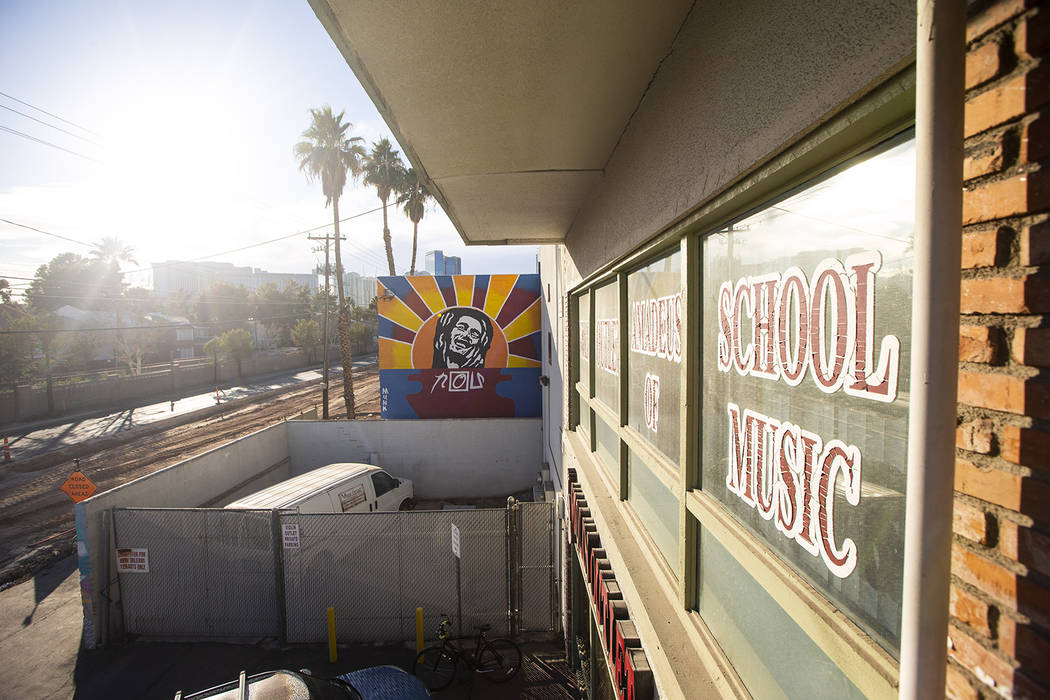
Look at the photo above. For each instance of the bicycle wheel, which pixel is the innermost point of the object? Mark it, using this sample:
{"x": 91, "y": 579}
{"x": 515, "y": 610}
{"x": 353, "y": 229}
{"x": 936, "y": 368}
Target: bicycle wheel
{"x": 435, "y": 667}
{"x": 499, "y": 660}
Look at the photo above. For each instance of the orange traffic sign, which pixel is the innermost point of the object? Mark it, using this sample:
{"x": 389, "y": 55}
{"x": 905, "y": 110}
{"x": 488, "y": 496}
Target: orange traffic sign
{"x": 78, "y": 487}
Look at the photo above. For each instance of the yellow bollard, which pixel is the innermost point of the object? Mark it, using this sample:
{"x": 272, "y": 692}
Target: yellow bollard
{"x": 332, "y": 656}
{"x": 419, "y": 630}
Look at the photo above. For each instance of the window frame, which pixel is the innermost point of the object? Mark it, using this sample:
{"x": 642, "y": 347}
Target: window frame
{"x": 884, "y": 114}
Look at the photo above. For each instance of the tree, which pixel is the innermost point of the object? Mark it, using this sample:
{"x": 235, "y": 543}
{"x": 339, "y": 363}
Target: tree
{"x": 69, "y": 279}
{"x": 234, "y": 344}
{"x": 5, "y": 292}
{"x": 414, "y": 200}
{"x": 16, "y": 349}
{"x": 328, "y": 153}
{"x": 307, "y": 335}
{"x": 385, "y": 171}
{"x": 224, "y": 304}
{"x": 114, "y": 251}
{"x": 280, "y": 308}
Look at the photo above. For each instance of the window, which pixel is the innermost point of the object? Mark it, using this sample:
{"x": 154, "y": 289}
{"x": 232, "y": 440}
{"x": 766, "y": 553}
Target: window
{"x": 383, "y": 482}
{"x": 800, "y": 334}
{"x": 807, "y": 306}
{"x": 654, "y": 320}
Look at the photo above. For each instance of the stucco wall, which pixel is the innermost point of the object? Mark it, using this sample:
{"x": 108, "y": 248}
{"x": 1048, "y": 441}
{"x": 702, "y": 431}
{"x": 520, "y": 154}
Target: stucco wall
{"x": 742, "y": 81}
{"x": 190, "y": 483}
{"x": 464, "y": 458}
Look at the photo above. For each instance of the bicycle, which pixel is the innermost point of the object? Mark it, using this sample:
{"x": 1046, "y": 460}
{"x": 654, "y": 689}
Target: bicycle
{"x": 497, "y": 660}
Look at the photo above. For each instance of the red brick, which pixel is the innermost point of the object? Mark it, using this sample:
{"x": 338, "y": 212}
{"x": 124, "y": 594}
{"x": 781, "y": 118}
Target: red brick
{"x": 992, "y": 485}
{"x": 1005, "y": 295}
{"x": 983, "y": 160}
{"x": 1025, "y": 545}
{"x": 1032, "y": 36}
{"x": 1035, "y": 245}
{"x": 995, "y": 200}
{"x": 975, "y": 436}
{"x": 992, "y": 16}
{"x": 999, "y": 105}
{"x": 957, "y": 686}
{"x": 982, "y": 64}
{"x": 966, "y": 608}
{"x": 1026, "y": 446}
{"x": 977, "y": 344}
{"x": 989, "y": 577}
{"x": 970, "y": 522}
{"x": 989, "y": 667}
{"x": 1030, "y": 346}
{"x": 1022, "y": 642}
{"x": 1035, "y": 141}
{"x": 980, "y": 249}
{"x": 1000, "y": 392}
{"x": 1033, "y": 600}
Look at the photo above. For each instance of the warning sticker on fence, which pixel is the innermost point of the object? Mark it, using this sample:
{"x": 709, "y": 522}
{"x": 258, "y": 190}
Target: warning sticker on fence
{"x": 133, "y": 561}
{"x": 290, "y": 532}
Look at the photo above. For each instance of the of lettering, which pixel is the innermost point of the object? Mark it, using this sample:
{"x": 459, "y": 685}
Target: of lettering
{"x": 790, "y": 476}
{"x": 825, "y": 328}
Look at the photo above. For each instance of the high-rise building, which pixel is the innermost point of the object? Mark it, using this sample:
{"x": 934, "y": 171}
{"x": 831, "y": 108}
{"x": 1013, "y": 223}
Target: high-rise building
{"x": 189, "y": 276}
{"x": 437, "y": 263}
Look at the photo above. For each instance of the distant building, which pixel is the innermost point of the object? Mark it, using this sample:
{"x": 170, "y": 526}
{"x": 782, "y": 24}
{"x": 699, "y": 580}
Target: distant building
{"x": 174, "y": 276}
{"x": 437, "y": 263}
{"x": 358, "y": 288}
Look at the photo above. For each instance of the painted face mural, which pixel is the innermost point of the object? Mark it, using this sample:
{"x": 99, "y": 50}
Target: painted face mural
{"x": 462, "y": 339}
{"x": 459, "y": 346}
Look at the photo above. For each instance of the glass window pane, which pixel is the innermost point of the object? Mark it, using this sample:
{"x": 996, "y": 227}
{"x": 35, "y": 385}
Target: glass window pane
{"x": 656, "y": 507}
{"x": 607, "y": 345}
{"x": 608, "y": 444}
{"x": 583, "y": 344}
{"x": 807, "y": 312}
{"x": 654, "y": 312}
{"x": 772, "y": 655}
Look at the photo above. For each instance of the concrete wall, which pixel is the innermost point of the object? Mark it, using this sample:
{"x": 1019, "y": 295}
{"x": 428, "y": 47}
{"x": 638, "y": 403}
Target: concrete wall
{"x": 194, "y": 482}
{"x": 742, "y": 81}
{"x": 471, "y": 458}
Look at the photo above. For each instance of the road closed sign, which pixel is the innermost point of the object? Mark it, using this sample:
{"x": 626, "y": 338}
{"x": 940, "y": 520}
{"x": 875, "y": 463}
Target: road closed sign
{"x": 78, "y": 487}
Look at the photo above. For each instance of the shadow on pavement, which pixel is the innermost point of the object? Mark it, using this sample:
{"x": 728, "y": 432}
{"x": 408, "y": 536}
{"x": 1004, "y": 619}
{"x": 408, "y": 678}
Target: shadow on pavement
{"x": 46, "y": 581}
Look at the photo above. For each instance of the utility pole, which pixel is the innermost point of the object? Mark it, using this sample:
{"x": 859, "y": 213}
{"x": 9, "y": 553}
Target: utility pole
{"x": 324, "y": 332}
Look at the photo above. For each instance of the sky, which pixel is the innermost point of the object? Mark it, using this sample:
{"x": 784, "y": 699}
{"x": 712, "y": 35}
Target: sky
{"x": 176, "y": 123}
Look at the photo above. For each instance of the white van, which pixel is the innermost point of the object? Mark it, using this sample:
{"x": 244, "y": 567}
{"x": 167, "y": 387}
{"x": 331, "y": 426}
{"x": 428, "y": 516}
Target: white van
{"x": 345, "y": 487}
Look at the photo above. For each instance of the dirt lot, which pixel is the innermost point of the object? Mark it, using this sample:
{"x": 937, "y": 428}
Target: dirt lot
{"x": 36, "y": 517}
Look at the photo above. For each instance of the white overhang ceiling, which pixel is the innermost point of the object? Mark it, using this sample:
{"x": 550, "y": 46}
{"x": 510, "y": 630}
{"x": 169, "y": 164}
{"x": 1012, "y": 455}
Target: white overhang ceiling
{"x": 511, "y": 109}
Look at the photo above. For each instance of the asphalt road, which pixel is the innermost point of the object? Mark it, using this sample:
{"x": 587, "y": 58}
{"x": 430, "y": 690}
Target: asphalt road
{"x": 30, "y": 440}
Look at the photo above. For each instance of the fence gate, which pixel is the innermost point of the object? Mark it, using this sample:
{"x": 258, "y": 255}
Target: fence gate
{"x": 200, "y": 572}
{"x": 533, "y": 588}
{"x": 197, "y": 572}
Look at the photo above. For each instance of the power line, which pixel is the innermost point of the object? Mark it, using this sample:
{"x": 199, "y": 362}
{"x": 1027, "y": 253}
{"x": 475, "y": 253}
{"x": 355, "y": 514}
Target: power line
{"x": 53, "y": 116}
{"x": 46, "y": 233}
{"x": 156, "y": 326}
{"x": 46, "y": 143}
{"x": 58, "y": 128}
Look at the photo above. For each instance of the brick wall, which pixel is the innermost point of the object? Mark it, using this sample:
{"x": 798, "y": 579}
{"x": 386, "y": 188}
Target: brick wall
{"x": 1000, "y": 602}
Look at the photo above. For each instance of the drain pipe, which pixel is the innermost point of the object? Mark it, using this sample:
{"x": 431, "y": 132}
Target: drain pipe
{"x": 940, "y": 48}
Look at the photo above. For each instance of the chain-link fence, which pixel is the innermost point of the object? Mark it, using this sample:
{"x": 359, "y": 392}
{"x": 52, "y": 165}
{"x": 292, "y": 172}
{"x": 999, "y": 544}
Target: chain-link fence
{"x": 230, "y": 573}
{"x": 197, "y": 572}
{"x": 535, "y": 593}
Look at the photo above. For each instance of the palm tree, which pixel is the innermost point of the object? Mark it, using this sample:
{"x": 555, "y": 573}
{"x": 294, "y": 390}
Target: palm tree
{"x": 113, "y": 250}
{"x": 385, "y": 171}
{"x": 414, "y": 200}
{"x": 328, "y": 152}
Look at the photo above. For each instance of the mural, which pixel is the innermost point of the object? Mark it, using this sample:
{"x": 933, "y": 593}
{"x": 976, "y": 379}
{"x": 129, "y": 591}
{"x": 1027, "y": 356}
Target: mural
{"x": 459, "y": 346}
